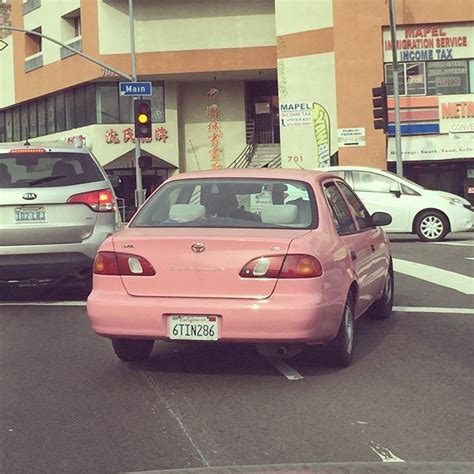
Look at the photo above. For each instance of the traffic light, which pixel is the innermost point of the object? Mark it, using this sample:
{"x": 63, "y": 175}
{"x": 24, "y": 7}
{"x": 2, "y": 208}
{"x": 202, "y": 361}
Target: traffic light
{"x": 379, "y": 101}
{"x": 142, "y": 117}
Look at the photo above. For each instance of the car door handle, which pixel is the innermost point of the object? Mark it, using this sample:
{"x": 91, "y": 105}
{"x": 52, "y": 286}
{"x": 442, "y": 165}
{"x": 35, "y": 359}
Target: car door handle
{"x": 353, "y": 255}
{"x": 372, "y": 247}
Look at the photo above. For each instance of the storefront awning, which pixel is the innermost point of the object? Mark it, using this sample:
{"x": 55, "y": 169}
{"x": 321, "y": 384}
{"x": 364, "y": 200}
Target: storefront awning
{"x": 128, "y": 161}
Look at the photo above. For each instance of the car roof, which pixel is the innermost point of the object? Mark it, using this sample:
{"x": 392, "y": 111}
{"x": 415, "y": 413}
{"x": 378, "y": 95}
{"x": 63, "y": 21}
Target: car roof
{"x": 265, "y": 173}
{"x": 50, "y": 146}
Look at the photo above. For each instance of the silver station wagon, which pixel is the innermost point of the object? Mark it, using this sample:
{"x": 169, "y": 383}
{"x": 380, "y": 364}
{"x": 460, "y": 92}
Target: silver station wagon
{"x": 57, "y": 206}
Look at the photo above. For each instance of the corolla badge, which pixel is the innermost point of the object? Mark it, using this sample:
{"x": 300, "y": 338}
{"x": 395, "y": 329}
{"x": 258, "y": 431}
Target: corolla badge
{"x": 29, "y": 196}
{"x": 198, "y": 247}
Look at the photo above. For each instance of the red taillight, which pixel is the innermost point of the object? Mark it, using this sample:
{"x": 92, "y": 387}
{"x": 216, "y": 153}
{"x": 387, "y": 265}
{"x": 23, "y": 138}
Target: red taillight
{"x": 23, "y": 151}
{"x": 281, "y": 266}
{"x": 99, "y": 201}
{"x": 112, "y": 263}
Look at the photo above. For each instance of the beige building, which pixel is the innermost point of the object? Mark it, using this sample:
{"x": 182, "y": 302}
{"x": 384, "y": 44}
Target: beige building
{"x": 284, "y": 82}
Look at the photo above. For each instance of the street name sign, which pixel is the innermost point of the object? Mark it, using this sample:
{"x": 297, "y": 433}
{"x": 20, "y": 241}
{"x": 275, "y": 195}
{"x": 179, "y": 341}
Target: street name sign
{"x": 134, "y": 88}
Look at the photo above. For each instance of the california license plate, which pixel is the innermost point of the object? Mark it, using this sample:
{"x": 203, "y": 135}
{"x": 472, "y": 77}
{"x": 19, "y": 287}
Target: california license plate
{"x": 193, "y": 328}
{"x": 30, "y": 214}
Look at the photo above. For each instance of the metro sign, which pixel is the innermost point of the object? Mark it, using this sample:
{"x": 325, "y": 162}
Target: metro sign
{"x": 137, "y": 89}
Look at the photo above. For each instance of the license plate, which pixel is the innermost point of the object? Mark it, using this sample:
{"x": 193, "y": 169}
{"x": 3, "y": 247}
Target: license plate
{"x": 193, "y": 328}
{"x": 30, "y": 214}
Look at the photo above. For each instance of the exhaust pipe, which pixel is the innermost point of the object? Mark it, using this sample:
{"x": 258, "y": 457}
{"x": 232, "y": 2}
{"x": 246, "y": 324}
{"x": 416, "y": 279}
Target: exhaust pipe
{"x": 282, "y": 350}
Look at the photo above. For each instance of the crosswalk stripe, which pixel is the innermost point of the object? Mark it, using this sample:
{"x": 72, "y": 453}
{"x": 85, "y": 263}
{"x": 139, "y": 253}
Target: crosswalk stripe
{"x": 455, "y": 281}
{"x": 433, "y": 310}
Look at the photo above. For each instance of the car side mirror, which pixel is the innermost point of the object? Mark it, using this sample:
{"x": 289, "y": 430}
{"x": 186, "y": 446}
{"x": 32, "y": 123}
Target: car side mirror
{"x": 395, "y": 189}
{"x": 114, "y": 180}
{"x": 381, "y": 219}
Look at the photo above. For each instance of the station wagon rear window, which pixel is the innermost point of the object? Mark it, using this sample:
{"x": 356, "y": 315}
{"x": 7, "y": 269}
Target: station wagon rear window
{"x": 46, "y": 169}
{"x": 230, "y": 203}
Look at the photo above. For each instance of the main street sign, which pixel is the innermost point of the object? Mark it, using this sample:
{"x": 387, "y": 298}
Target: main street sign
{"x": 135, "y": 88}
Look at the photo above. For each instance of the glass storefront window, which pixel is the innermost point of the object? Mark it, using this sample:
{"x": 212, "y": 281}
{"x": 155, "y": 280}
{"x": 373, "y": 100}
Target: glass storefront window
{"x": 60, "y": 113}
{"x": 107, "y": 104}
{"x": 8, "y": 125}
{"x": 471, "y": 76}
{"x": 126, "y": 111}
{"x": 24, "y": 122}
{"x": 69, "y": 105}
{"x": 50, "y": 115}
{"x": 415, "y": 79}
{"x": 158, "y": 103}
{"x": 16, "y": 124}
{"x": 80, "y": 107}
{"x": 2, "y": 127}
{"x": 447, "y": 77}
{"x": 91, "y": 108}
{"x": 33, "y": 118}
{"x": 41, "y": 117}
{"x": 389, "y": 79}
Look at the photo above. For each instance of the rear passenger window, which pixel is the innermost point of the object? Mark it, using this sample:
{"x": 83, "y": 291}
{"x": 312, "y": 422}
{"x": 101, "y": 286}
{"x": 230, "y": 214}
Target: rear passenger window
{"x": 362, "y": 216}
{"x": 28, "y": 170}
{"x": 340, "y": 212}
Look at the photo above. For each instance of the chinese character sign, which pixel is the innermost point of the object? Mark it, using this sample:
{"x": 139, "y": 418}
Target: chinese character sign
{"x": 215, "y": 132}
{"x": 112, "y": 136}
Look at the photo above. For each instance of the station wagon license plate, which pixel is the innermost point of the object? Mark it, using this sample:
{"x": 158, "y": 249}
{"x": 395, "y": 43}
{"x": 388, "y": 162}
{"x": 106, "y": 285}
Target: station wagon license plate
{"x": 30, "y": 214}
{"x": 193, "y": 328}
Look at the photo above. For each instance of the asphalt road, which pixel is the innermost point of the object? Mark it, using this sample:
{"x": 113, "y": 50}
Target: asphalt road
{"x": 67, "y": 405}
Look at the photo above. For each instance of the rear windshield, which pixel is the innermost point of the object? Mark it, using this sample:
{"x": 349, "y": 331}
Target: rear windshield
{"x": 35, "y": 170}
{"x": 233, "y": 203}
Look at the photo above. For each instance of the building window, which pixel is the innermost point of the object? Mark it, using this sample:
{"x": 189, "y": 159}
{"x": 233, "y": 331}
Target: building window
{"x": 24, "y": 121}
{"x": 50, "y": 115}
{"x": 33, "y": 119}
{"x": 126, "y": 110}
{"x": 16, "y": 124}
{"x": 2, "y": 127}
{"x": 80, "y": 107}
{"x": 60, "y": 113}
{"x": 69, "y": 105}
{"x": 33, "y": 43}
{"x": 107, "y": 104}
{"x": 41, "y": 117}
{"x": 9, "y": 125}
{"x": 447, "y": 77}
{"x": 158, "y": 102}
{"x": 71, "y": 33}
{"x": 471, "y": 76}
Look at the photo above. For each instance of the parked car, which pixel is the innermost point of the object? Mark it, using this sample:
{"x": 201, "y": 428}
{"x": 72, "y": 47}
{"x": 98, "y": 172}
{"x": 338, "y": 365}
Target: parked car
{"x": 229, "y": 256}
{"x": 57, "y": 206}
{"x": 429, "y": 214}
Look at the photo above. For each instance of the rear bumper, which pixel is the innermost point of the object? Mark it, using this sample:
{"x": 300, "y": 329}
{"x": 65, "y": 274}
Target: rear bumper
{"x": 48, "y": 266}
{"x": 281, "y": 318}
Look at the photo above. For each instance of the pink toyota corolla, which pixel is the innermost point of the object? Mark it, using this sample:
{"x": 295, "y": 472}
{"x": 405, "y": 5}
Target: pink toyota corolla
{"x": 280, "y": 257}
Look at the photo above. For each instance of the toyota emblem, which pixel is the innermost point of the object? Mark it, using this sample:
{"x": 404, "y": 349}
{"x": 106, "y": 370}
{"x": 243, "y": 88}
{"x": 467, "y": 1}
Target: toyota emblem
{"x": 198, "y": 247}
{"x": 29, "y": 196}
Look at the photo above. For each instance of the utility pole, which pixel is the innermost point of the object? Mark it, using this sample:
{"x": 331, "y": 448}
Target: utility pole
{"x": 396, "y": 93}
{"x": 139, "y": 197}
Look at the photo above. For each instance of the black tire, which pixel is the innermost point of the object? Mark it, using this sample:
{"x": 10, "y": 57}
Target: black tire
{"x": 382, "y": 308}
{"x": 431, "y": 226}
{"x": 340, "y": 349}
{"x": 132, "y": 350}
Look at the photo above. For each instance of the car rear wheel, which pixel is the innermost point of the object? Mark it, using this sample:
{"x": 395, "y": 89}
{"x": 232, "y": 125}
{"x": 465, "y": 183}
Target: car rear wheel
{"x": 382, "y": 308}
{"x": 132, "y": 350}
{"x": 431, "y": 226}
{"x": 340, "y": 349}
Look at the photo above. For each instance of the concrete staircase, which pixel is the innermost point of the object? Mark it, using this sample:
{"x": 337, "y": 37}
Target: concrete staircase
{"x": 264, "y": 153}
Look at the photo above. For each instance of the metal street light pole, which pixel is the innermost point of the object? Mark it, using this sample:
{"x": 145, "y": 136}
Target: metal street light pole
{"x": 139, "y": 197}
{"x": 396, "y": 92}
{"x": 75, "y": 51}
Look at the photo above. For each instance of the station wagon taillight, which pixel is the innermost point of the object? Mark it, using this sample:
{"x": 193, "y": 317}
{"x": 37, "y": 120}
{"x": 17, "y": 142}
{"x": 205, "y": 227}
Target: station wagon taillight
{"x": 99, "y": 201}
{"x": 113, "y": 263}
{"x": 281, "y": 266}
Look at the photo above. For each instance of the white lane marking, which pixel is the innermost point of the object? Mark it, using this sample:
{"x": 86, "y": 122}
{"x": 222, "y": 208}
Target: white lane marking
{"x": 289, "y": 372}
{"x": 417, "y": 309}
{"x": 456, "y": 281}
{"x": 157, "y": 391}
{"x": 384, "y": 453}
{"x": 469, "y": 258}
{"x": 461, "y": 243}
{"x": 43, "y": 303}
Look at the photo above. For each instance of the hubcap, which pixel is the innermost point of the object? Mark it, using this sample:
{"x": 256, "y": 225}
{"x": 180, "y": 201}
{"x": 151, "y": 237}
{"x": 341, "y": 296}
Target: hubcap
{"x": 431, "y": 227}
{"x": 349, "y": 329}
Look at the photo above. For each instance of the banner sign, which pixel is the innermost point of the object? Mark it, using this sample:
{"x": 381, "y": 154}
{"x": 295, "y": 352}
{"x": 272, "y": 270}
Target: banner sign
{"x": 456, "y": 113}
{"x": 430, "y": 42}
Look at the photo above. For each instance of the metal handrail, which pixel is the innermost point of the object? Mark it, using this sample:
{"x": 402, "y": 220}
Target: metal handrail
{"x": 243, "y": 160}
{"x": 274, "y": 163}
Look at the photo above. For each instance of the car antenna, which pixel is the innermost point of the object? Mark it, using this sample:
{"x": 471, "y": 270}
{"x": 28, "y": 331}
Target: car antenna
{"x": 27, "y": 143}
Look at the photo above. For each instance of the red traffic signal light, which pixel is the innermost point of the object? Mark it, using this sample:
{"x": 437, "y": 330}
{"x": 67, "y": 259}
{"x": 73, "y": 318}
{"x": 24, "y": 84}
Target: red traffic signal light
{"x": 380, "y": 110}
{"x": 142, "y": 118}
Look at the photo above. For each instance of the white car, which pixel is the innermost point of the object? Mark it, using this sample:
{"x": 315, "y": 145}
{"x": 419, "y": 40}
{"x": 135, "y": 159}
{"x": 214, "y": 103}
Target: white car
{"x": 414, "y": 209}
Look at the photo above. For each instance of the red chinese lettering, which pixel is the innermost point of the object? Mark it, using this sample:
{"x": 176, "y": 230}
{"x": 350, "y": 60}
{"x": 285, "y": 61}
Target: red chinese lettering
{"x": 128, "y": 135}
{"x": 111, "y": 136}
{"x": 161, "y": 134}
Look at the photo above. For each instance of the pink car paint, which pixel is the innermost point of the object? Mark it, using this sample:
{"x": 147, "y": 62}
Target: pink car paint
{"x": 269, "y": 310}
